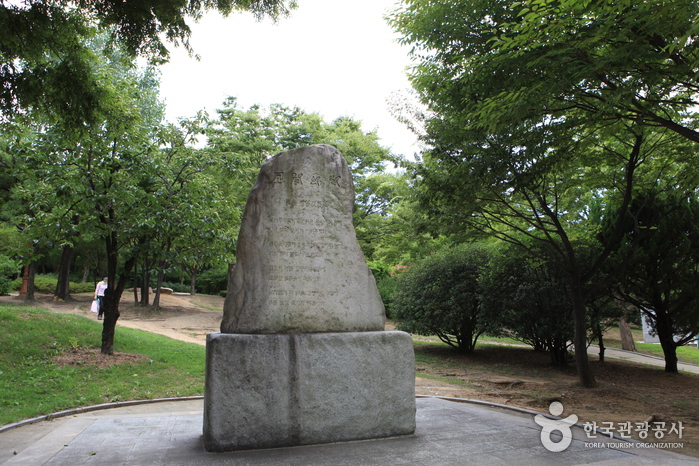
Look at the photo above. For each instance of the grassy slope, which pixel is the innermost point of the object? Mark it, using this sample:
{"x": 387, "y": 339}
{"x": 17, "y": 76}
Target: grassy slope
{"x": 32, "y": 385}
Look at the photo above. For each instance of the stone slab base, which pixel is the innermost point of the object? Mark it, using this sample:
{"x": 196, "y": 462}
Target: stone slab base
{"x": 266, "y": 391}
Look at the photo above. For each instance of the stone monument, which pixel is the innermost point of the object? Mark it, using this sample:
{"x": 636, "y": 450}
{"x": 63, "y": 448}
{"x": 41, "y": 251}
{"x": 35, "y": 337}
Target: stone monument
{"x": 302, "y": 357}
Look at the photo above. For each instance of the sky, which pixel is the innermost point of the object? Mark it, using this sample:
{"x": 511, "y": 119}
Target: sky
{"x": 332, "y": 57}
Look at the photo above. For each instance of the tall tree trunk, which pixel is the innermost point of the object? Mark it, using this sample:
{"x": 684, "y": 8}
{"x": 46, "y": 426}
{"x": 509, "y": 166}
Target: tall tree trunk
{"x": 627, "y": 342}
{"x": 63, "y": 285}
{"x": 580, "y": 337}
{"x": 600, "y": 340}
{"x": 664, "y": 328}
{"x": 30, "y": 281}
{"x": 135, "y": 285}
{"x": 113, "y": 293}
{"x": 193, "y": 280}
{"x": 559, "y": 352}
{"x": 159, "y": 284}
{"x": 145, "y": 283}
{"x": 86, "y": 273}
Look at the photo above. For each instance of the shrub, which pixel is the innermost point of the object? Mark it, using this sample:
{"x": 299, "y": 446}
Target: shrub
{"x": 387, "y": 289}
{"x": 177, "y": 287}
{"x": 532, "y": 299}
{"x": 441, "y": 296}
{"x": 7, "y": 268}
{"x": 379, "y": 269}
{"x": 47, "y": 284}
{"x": 213, "y": 281}
{"x": 531, "y": 296}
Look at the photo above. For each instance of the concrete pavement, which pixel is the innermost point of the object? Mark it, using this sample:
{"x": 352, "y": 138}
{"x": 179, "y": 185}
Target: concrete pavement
{"x": 448, "y": 432}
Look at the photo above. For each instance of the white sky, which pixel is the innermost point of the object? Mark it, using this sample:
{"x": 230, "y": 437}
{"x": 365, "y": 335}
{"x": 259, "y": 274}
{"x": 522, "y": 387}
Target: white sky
{"x": 333, "y": 57}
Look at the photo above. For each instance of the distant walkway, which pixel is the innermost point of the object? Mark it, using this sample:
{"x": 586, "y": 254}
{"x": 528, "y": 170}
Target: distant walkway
{"x": 614, "y": 353}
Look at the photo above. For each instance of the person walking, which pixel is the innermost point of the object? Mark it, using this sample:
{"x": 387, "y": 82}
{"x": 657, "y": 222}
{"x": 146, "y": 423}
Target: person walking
{"x": 99, "y": 295}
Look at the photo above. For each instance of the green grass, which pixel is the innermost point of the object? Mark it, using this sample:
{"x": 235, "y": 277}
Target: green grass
{"x": 32, "y": 385}
{"x": 688, "y": 354}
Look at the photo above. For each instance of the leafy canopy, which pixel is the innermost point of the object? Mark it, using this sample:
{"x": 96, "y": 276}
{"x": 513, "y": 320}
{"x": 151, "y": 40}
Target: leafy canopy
{"x": 46, "y": 59}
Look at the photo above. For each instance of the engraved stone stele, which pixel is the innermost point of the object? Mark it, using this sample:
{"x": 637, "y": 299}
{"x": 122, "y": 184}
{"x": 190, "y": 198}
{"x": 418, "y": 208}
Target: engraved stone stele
{"x": 299, "y": 267}
{"x": 302, "y": 357}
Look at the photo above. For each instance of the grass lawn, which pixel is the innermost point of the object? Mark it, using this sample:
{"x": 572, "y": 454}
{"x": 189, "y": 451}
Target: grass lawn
{"x": 32, "y": 383}
{"x": 686, "y": 354}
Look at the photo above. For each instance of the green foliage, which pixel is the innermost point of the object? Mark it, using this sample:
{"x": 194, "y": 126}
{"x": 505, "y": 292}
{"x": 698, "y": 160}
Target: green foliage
{"x": 246, "y": 138}
{"x": 441, "y": 295}
{"x": 44, "y": 45}
{"x": 532, "y": 299}
{"x": 213, "y": 281}
{"x": 379, "y": 269}
{"x": 499, "y": 63}
{"x": 47, "y": 284}
{"x": 387, "y": 290}
{"x": 32, "y": 385}
{"x": 176, "y": 287}
{"x": 537, "y": 111}
{"x": 8, "y": 267}
{"x": 660, "y": 251}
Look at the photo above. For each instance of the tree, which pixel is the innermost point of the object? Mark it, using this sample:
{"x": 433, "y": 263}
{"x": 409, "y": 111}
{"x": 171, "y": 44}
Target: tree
{"x": 512, "y": 61}
{"x": 45, "y": 60}
{"x": 441, "y": 295}
{"x": 246, "y": 138}
{"x": 661, "y": 277}
{"x": 189, "y": 213}
{"x": 536, "y": 110}
{"x": 531, "y": 297}
{"x": 89, "y": 181}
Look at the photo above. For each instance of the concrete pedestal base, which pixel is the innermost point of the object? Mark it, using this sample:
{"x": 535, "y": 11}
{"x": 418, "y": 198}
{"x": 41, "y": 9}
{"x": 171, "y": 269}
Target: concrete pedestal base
{"x": 266, "y": 391}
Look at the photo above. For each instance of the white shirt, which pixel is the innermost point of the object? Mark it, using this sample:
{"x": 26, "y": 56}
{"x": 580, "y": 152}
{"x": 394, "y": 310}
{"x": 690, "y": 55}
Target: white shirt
{"x": 101, "y": 286}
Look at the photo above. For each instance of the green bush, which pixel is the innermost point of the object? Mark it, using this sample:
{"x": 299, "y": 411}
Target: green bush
{"x": 379, "y": 269}
{"x": 7, "y": 268}
{"x": 213, "y": 281}
{"x": 177, "y": 287}
{"x": 441, "y": 296}
{"x": 387, "y": 289}
{"x": 47, "y": 284}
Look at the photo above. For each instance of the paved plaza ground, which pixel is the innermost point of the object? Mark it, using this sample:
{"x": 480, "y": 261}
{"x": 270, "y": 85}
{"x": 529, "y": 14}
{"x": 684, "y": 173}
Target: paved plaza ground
{"x": 448, "y": 432}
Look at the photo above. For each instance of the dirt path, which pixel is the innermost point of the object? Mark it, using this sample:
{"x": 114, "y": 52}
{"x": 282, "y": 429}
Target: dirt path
{"x": 182, "y": 317}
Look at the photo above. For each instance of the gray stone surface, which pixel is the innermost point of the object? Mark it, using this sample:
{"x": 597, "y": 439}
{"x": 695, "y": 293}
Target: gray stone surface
{"x": 267, "y": 391}
{"x": 299, "y": 266}
{"x": 447, "y": 433}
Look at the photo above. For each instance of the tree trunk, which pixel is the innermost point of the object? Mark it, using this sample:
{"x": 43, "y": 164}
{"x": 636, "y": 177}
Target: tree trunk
{"x": 30, "y": 281}
{"x": 145, "y": 283}
{"x": 627, "y": 342}
{"x": 580, "y": 337}
{"x": 193, "y": 281}
{"x": 600, "y": 340}
{"x": 63, "y": 285}
{"x": 664, "y": 328}
{"x": 135, "y": 285}
{"x": 159, "y": 284}
{"x": 559, "y": 352}
{"x": 112, "y": 294}
{"x": 111, "y": 315}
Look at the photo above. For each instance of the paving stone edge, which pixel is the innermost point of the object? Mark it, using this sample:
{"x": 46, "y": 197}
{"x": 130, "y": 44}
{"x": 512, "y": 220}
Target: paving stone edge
{"x": 87, "y": 409}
